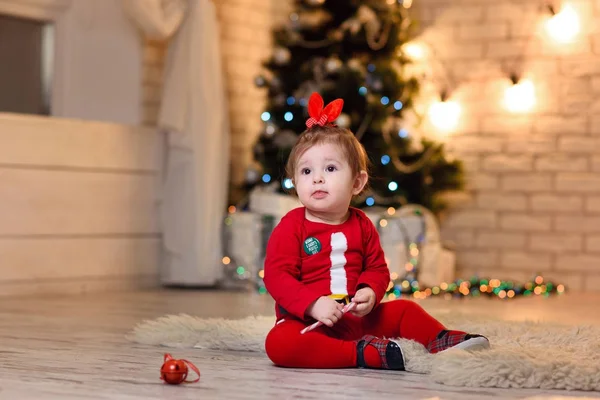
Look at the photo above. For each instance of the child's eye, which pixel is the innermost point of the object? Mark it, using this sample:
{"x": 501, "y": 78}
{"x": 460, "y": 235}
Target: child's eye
{"x": 331, "y": 168}
{"x": 305, "y": 171}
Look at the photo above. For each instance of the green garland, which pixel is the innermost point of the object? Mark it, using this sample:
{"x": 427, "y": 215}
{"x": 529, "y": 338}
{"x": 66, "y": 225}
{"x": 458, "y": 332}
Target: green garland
{"x": 475, "y": 287}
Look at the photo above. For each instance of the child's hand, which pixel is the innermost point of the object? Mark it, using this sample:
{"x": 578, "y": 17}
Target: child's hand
{"x": 326, "y": 310}
{"x": 365, "y": 301}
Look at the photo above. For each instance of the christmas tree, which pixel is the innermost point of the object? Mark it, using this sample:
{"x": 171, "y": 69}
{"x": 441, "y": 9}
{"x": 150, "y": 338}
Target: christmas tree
{"x": 351, "y": 49}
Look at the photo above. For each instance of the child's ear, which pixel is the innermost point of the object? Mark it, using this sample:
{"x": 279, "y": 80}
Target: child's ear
{"x": 359, "y": 182}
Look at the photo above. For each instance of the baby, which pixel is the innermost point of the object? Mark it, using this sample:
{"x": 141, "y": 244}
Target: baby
{"x": 327, "y": 254}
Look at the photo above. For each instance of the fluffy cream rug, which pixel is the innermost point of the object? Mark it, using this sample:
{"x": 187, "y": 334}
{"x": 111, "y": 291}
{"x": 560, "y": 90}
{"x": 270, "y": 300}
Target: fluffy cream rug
{"x": 522, "y": 354}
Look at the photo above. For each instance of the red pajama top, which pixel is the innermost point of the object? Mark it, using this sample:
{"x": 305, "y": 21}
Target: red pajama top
{"x": 306, "y": 260}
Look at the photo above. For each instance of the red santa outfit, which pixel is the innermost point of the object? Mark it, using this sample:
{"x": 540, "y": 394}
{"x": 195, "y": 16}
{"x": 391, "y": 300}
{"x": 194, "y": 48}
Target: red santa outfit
{"x": 306, "y": 260}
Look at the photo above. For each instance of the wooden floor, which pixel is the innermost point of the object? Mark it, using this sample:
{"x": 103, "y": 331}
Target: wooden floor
{"x": 74, "y": 348}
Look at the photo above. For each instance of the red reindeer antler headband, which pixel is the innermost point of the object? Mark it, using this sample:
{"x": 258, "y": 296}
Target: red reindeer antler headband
{"x": 322, "y": 116}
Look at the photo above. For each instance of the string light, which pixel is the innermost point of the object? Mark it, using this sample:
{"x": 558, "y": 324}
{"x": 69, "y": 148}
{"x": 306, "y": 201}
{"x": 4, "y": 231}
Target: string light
{"x": 444, "y": 115}
{"x": 474, "y": 287}
{"x": 520, "y": 96}
{"x": 414, "y": 50}
{"x": 287, "y": 183}
{"x": 563, "y": 26}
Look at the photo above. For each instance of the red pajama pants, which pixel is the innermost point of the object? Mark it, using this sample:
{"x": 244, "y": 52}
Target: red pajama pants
{"x": 335, "y": 347}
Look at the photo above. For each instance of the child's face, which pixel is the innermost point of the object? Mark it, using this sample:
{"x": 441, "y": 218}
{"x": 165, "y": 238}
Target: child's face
{"x": 324, "y": 180}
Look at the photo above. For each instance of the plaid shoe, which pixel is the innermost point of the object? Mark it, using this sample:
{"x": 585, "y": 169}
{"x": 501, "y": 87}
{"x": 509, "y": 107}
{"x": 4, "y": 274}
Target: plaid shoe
{"x": 459, "y": 340}
{"x": 389, "y": 351}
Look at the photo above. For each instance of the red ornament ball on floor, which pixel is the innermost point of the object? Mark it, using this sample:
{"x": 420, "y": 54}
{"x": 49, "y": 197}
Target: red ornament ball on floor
{"x": 175, "y": 372}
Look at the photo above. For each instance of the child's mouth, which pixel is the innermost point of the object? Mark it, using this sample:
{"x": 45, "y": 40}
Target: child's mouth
{"x": 319, "y": 194}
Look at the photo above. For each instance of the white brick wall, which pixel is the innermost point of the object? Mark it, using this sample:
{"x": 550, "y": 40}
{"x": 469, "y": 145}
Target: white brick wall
{"x": 520, "y": 260}
{"x": 533, "y": 177}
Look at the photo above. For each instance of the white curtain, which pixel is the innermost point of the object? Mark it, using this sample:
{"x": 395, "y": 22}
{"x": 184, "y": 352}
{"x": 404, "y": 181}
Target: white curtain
{"x": 194, "y": 116}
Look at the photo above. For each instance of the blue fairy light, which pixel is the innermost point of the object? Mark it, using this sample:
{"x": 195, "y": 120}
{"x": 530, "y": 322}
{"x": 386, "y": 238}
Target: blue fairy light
{"x": 393, "y": 186}
{"x": 362, "y": 91}
{"x": 403, "y": 133}
{"x": 370, "y": 201}
{"x": 385, "y": 159}
{"x": 385, "y": 100}
{"x": 288, "y": 116}
{"x": 266, "y": 178}
{"x": 287, "y": 183}
{"x": 291, "y": 101}
{"x": 398, "y": 105}
{"x": 371, "y": 67}
{"x": 265, "y": 116}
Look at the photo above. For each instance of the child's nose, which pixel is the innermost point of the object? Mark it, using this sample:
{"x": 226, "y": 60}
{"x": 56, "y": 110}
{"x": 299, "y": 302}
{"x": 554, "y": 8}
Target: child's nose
{"x": 318, "y": 178}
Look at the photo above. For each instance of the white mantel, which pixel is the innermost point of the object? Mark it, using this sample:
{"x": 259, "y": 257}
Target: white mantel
{"x": 97, "y": 58}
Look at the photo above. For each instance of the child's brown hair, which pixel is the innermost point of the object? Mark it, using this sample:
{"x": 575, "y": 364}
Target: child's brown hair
{"x": 353, "y": 151}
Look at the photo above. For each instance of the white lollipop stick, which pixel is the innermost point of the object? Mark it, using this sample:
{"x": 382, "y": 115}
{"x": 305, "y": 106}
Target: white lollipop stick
{"x": 347, "y": 307}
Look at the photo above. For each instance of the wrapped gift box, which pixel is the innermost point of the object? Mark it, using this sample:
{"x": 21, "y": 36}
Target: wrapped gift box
{"x": 435, "y": 264}
{"x": 263, "y": 200}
